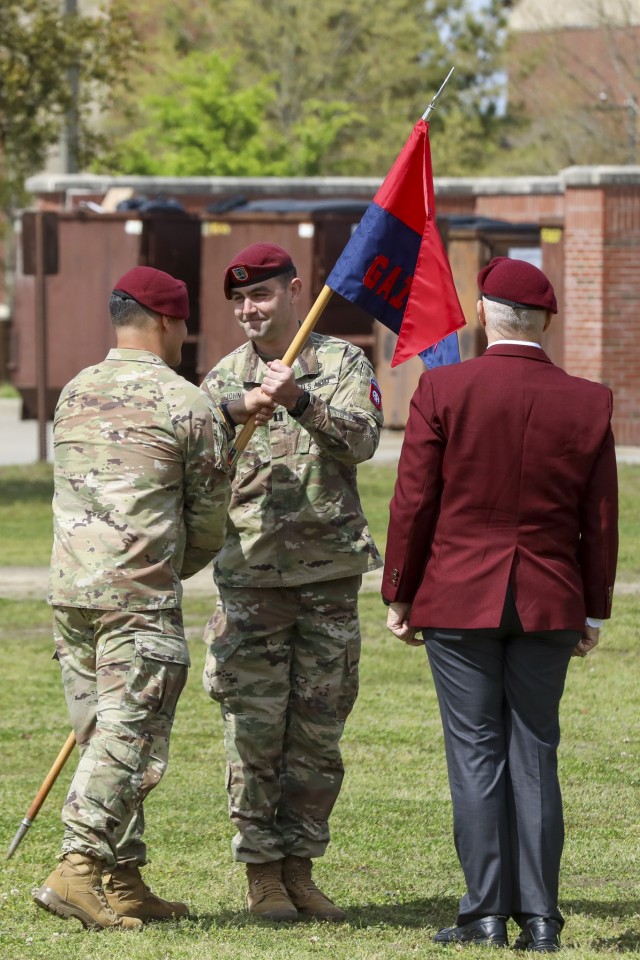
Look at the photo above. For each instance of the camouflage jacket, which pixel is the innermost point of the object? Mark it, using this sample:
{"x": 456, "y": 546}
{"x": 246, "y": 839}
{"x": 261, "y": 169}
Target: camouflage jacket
{"x": 295, "y": 515}
{"x": 141, "y": 485}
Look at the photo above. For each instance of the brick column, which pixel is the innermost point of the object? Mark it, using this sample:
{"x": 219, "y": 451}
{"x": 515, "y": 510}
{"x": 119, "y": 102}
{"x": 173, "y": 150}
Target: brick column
{"x": 602, "y": 286}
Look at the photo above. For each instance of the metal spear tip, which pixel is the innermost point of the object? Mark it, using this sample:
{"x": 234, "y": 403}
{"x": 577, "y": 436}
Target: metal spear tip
{"x": 15, "y": 843}
{"x": 432, "y": 105}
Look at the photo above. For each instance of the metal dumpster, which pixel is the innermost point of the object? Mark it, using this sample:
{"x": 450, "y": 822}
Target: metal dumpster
{"x": 94, "y": 250}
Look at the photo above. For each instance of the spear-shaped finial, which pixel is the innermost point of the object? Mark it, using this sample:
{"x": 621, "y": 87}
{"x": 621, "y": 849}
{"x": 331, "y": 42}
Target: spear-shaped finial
{"x": 432, "y": 105}
{"x": 42, "y": 794}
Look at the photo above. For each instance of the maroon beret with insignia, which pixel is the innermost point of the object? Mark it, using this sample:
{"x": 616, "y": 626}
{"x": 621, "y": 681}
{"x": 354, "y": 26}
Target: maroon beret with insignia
{"x": 260, "y": 261}
{"x": 518, "y": 284}
{"x": 156, "y": 290}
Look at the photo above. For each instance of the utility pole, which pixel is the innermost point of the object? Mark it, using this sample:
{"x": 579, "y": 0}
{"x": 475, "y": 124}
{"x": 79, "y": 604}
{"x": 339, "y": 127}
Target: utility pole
{"x": 69, "y": 145}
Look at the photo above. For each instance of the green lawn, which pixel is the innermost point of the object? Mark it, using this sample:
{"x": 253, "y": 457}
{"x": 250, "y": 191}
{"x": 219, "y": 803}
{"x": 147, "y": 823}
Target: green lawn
{"x": 25, "y": 515}
{"x": 25, "y": 510}
{"x": 391, "y": 863}
{"x": 26, "y": 492}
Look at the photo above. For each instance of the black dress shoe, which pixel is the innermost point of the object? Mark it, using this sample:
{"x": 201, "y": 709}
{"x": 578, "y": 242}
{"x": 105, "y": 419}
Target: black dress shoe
{"x": 488, "y": 931}
{"x": 540, "y": 934}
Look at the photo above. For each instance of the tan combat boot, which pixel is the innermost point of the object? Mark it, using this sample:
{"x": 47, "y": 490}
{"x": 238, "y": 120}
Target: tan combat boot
{"x": 129, "y": 896}
{"x": 74, "y": 889}
{"x": 267, "y": 896}
{"x": 306, "y": 897}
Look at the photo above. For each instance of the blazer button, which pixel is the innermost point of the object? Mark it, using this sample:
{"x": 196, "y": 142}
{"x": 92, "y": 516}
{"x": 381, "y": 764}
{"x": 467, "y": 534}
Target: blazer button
{"x": 395, "y": 576}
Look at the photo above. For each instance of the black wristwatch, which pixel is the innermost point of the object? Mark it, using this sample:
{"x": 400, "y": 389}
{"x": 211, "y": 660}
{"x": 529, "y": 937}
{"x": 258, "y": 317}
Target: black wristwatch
{"x": 231, "y": 423}
{"x": 301, "y": 405}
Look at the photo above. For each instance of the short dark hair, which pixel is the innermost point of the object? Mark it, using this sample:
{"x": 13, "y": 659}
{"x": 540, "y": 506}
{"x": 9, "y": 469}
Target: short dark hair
{"x": 127, "y": 312}
{"x": 287, "y": 277}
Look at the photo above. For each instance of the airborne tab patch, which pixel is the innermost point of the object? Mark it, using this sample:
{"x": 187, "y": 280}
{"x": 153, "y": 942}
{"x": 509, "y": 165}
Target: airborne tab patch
{"x": 375, "y": 396}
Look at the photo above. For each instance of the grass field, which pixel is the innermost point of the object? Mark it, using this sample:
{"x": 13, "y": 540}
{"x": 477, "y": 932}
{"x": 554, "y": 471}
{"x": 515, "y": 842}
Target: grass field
{"x": 391, "y": 863}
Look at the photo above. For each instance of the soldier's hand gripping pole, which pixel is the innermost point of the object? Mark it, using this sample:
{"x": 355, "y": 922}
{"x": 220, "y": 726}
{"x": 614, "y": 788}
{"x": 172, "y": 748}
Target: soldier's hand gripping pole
{"x": 42, "y": 793}
{"x": 289, "y": 359}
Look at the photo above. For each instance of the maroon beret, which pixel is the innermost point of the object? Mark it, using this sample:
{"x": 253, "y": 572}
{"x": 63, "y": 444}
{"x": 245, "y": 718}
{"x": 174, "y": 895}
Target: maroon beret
{"x": 517, "y": 283}
{"x": 260, "y": 261}
{"x": 156, "y": 290}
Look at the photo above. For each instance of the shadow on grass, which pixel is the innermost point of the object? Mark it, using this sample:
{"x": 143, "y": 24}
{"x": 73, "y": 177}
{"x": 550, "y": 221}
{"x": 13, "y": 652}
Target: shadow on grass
{"x": 627, "y": 942}
{"x": 424, "y": 913}
{"x": 620, "y": 909}
{"x": 430, "y": 914}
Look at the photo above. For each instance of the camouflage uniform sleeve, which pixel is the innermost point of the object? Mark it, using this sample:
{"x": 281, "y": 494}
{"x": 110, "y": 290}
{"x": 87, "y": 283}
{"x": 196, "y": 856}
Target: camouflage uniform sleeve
{"x": 210, "y": 387}
{"x": 347, "y": 428}
{"x": 207, "y": 487}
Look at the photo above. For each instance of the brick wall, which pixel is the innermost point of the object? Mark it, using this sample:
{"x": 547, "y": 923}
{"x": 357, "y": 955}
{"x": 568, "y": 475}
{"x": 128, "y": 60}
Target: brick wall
{"x": 518, "y": 208}
{"x": 621, "y": 308}
{"x": 584, "y": 283}
{"x": 602, "y": 290}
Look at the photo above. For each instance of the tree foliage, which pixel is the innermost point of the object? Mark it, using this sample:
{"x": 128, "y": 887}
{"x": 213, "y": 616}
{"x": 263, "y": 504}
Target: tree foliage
{"x": 208, "y": 125}
{"x": 334, "y": 86}
{"x": 39, "y": 49}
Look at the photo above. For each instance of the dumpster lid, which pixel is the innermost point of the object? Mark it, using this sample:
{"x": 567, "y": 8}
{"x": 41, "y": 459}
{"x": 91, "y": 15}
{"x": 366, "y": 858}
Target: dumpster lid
{"x": 289, "y": 205}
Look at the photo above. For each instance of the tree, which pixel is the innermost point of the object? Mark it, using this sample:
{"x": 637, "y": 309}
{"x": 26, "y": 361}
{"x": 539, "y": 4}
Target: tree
{"x": 577, "y": 77}
{"x": 342, "y": 82}
{"x": 39, "y": 47}
{"x": 203, "y": 124}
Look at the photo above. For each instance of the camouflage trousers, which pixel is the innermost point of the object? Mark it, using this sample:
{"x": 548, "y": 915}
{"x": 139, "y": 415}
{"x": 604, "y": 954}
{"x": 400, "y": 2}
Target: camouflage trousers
{"x": 283, "y": 664}
{"x": 122, "y": 672}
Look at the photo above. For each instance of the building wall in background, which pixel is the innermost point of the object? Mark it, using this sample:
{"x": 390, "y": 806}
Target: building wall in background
{"x": 582, "y": 227}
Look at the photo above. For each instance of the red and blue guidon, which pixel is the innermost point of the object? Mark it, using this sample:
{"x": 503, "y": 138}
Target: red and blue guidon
{"x": 395, "y": 266}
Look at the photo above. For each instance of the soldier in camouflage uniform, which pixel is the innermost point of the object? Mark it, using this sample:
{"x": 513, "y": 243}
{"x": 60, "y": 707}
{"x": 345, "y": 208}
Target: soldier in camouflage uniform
{"x": 141, "y": 494}
{"x": 284, "y": 641}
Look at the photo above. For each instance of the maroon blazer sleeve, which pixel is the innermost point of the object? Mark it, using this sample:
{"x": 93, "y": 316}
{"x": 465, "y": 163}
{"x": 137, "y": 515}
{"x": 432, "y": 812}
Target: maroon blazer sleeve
{"x": 414, "y": 509}
{"x": 599, "y": 530}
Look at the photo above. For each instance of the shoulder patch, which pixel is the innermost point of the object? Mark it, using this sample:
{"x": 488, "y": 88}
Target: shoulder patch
{"x": 375, "y": 396}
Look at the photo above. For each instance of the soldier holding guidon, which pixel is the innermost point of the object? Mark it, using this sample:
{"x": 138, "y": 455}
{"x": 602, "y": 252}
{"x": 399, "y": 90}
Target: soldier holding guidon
{"x": 141, "y": 494}
{"x": 284, "y": 641}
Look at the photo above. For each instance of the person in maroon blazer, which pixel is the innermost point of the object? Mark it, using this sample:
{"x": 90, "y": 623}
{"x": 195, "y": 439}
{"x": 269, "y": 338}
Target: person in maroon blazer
{"x": 502, "y": 549}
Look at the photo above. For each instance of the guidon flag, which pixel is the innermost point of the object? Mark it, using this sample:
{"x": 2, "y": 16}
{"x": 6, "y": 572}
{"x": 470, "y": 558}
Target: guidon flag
{"x": 395, "y": 266}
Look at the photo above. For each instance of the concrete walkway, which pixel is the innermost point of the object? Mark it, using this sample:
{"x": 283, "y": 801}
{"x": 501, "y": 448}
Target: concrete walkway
{"x": 19, "y": 439}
